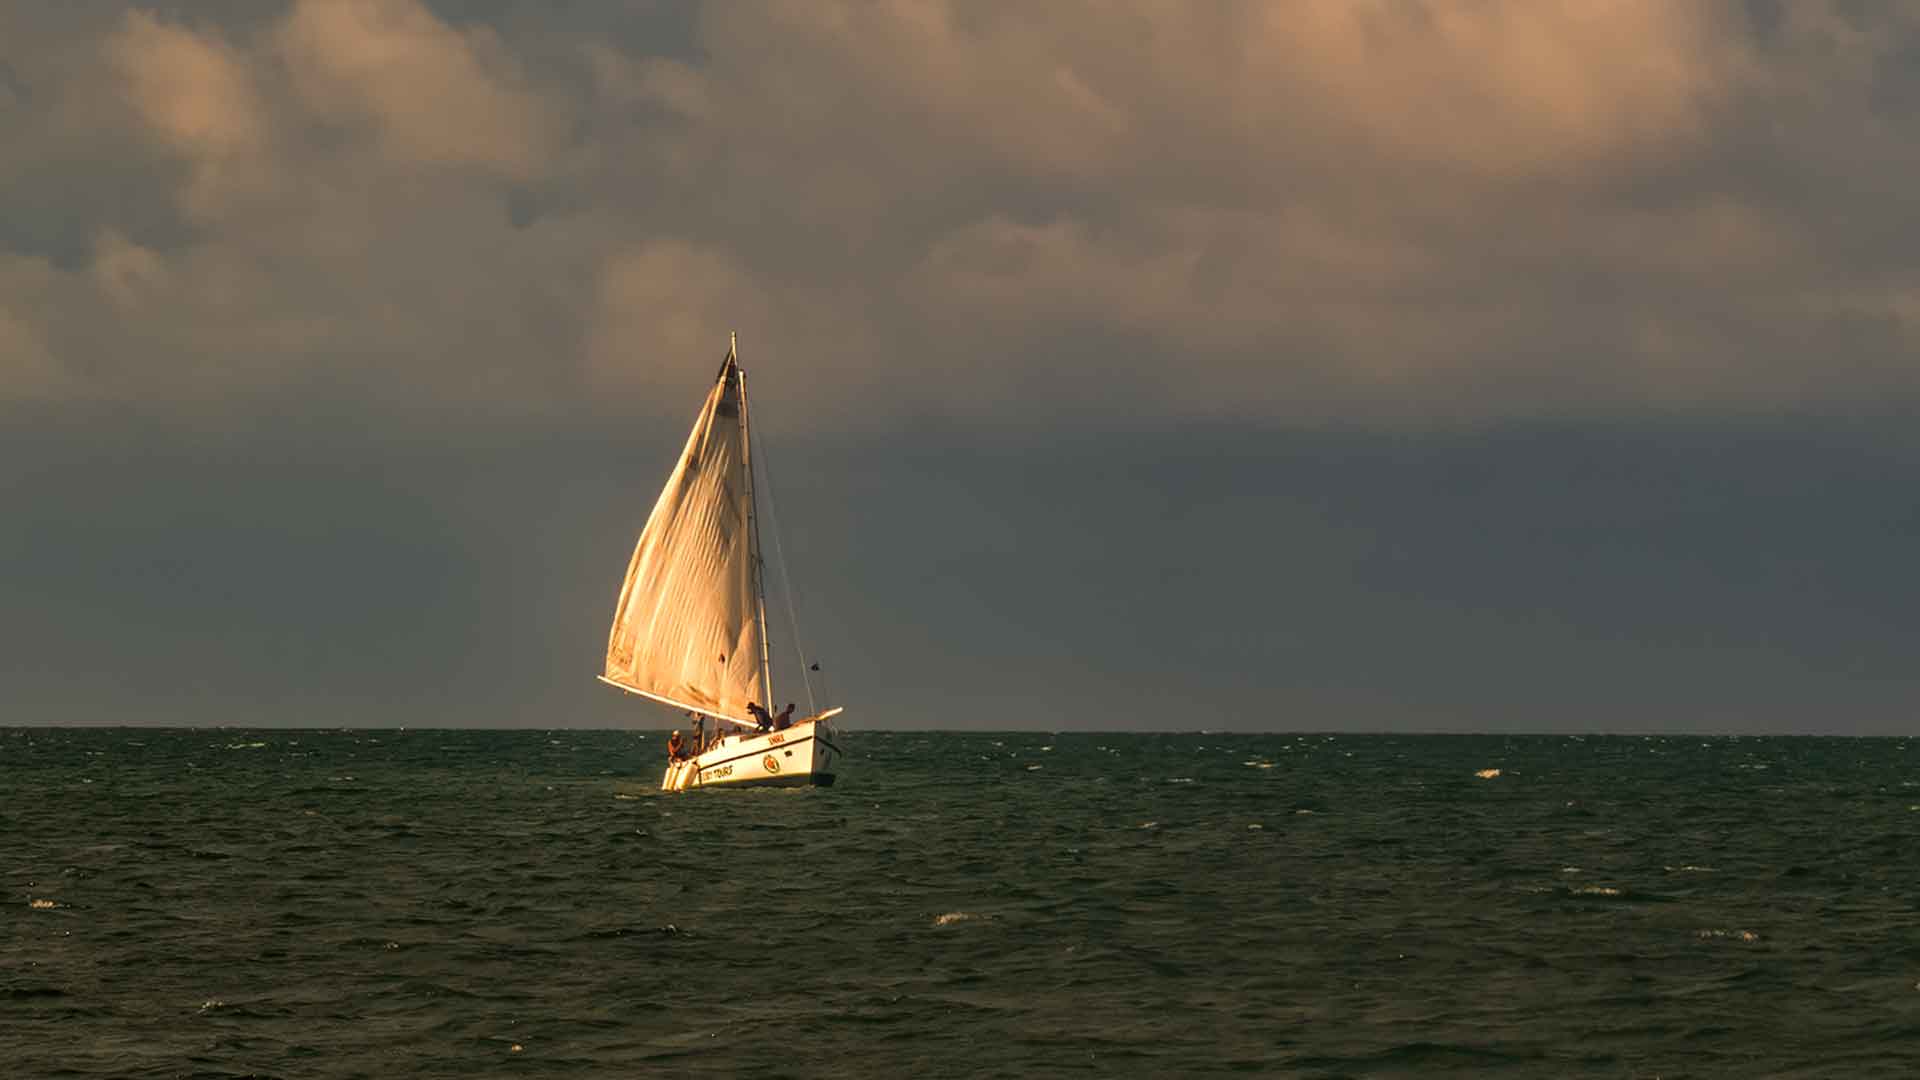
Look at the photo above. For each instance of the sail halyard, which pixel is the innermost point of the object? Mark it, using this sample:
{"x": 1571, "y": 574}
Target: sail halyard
{"x": 786, "y": 578}
{"x": 753, "y": 519}
{"x": 689, "y": 628}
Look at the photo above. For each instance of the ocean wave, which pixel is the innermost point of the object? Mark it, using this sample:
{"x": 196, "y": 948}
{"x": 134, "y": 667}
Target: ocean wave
{"x": 550, "y": 918}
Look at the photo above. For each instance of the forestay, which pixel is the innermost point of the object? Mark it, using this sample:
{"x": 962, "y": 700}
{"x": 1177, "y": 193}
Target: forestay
{"x": 688, "y": 628}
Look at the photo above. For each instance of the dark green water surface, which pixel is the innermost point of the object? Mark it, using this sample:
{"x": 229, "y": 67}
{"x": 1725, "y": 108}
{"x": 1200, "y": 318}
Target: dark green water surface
{"x": 432, "y": 903}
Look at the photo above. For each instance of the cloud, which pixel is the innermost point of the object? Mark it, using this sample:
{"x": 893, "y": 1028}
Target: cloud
{"x": 668, "y": 301}
{"x": 404, "y": 293}
{"x": 1383, "y": 211}
{"x": 27, "y": 365}
{"x": 191, "y": 89}
{"x": 428, "y": 93}
{"x": 12, "y": 86}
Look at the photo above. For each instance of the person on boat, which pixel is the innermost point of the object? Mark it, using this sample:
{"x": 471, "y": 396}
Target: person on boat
{"x": 762, "y": 720}
{"x": 676, "y": 751}
{"x": 699, "y": 733}
{"x": 785, "y": 719}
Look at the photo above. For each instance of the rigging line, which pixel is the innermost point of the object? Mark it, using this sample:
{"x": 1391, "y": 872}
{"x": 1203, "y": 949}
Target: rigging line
{"x": 786, "y": 579}
{"x": 755, "y": 551}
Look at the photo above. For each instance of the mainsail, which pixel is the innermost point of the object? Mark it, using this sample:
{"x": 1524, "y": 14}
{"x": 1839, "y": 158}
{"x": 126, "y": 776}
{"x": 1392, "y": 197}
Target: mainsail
{"x": 689, "y": 628}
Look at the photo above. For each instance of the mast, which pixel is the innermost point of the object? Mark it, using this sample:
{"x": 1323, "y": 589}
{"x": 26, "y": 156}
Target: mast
{"x": 753, "y": 522}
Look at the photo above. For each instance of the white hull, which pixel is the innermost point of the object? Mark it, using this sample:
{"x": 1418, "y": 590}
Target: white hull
{"x": 803, "y": 754}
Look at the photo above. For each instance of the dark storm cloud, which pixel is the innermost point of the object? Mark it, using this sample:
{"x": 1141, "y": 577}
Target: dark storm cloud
{"x": 12, "y": 85}
{"x": 1316, "y": 364}
{"x": 1745, "y": 577}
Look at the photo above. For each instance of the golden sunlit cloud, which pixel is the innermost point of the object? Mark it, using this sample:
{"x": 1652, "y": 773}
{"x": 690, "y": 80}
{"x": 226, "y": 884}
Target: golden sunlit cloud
{"x": 1377, "y": 210}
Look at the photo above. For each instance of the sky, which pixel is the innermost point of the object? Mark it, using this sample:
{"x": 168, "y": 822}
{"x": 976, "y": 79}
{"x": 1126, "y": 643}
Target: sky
{"x": 1378, "y": 365}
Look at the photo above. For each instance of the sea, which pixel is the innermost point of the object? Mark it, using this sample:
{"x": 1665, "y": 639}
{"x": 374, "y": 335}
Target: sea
{"x": 224, "y": 903}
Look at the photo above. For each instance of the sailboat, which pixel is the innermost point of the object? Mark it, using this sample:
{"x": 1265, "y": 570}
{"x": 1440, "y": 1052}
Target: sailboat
{"x": 690, "y": 629}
